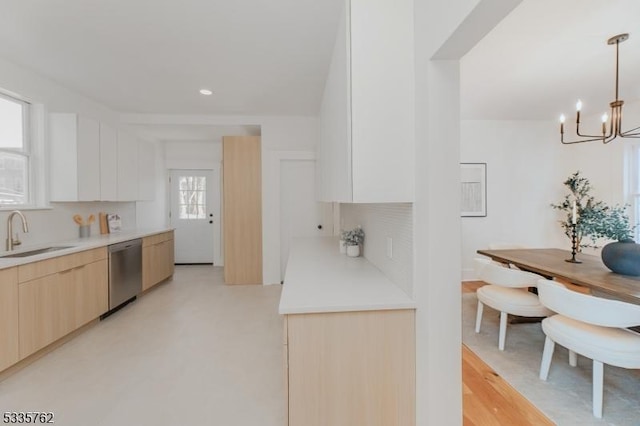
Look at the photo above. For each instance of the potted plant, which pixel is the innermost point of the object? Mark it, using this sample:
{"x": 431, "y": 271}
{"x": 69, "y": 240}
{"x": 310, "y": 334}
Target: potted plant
{"x": 596, "y": 221}
{"x": 353, "y": 239}
{"x": 343, "y": 243}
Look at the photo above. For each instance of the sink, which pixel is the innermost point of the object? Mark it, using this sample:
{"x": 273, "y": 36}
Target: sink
{"x": 36, "y": 251}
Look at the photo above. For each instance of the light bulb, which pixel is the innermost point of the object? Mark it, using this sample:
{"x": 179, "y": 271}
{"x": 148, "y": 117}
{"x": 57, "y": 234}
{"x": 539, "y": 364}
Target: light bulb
{"x": 562, "y": 118}
{"x": 578, "y": 105}
{"x": 206, "y": 92}
{"x": 605, "y": 117}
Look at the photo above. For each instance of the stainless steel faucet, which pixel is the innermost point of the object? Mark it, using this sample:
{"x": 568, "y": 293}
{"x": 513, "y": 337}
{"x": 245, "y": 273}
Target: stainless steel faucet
{"x": 10, "y": 240}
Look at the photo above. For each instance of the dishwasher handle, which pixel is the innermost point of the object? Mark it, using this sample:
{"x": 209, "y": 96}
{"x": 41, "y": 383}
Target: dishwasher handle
{"x": 124, "y": 245}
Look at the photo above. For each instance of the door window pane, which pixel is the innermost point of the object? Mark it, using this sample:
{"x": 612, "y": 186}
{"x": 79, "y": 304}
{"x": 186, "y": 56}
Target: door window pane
{"x": 192, "y": 198}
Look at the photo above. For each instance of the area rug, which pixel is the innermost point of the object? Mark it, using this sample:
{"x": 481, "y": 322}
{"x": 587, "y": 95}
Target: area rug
{"x": 566, "y": 396}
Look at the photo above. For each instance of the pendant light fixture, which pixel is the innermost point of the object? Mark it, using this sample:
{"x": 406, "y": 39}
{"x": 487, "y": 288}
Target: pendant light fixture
{"x": 613, "y": 129}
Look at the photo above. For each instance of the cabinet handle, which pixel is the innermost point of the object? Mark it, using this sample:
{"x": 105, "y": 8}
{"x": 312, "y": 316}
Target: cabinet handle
{"x": 72, "y": 269}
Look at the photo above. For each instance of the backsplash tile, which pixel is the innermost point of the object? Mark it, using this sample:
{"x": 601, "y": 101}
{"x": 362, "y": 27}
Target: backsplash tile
{"x": 380, "y": 221}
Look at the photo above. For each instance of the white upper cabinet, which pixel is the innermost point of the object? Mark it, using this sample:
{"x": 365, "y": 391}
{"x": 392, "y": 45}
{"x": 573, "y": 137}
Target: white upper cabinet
{"x": 108, "y": 163}
{"x": 146, "y": 170}
{"x": 75, "y": 158}
{"x": 367, "y": 123}
{"x": 92, "y": 161}
{"x": 127, "y": 167}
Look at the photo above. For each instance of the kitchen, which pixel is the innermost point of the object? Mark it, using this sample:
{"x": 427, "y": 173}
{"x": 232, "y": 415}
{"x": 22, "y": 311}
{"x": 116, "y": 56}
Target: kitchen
{"x": 126, "y": 83}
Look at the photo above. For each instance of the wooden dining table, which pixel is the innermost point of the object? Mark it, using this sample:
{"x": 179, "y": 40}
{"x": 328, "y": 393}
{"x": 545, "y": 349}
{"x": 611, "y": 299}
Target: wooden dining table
{"x": 591, "y": 273}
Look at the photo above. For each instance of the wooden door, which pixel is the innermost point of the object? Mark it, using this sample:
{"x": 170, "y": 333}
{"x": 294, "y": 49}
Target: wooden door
{"x": 242, "y": 187}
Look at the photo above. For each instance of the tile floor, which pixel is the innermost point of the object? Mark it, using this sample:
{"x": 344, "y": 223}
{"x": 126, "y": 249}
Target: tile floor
{"x": 192, "y": 351}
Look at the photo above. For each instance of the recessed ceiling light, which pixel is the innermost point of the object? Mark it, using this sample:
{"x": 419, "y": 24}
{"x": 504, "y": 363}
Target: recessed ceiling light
{"x": 206, "y": 92}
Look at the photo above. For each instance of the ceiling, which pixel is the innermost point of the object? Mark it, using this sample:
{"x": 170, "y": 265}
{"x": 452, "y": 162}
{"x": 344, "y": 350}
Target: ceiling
{"x": 547, "y": 54}
{"x": 153, "y": 56}
{"x": 271, "y": 58}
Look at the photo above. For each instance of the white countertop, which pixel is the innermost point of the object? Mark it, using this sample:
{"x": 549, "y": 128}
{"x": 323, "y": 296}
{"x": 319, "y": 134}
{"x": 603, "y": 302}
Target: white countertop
{"x": 320, "y": 279}
{"x": 75, "y": 245}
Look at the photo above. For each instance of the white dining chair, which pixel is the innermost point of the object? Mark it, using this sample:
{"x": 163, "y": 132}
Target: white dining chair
{"x": 592, "y": 327}
{"x": 507, "y": 291}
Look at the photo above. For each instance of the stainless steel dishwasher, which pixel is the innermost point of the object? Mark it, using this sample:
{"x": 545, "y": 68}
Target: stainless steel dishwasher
{"x": 125, "y": 272}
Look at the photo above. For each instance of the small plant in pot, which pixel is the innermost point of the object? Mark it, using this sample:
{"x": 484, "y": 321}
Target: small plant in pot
{"x": 343, "y": 243}
{"x": 596, "y": 221}
{"x": 353, "y": 239}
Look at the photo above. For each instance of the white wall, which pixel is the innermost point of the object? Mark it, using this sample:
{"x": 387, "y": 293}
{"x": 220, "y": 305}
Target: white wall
{"x": 379, "y": 222}
{"x": 524, "y": 175}
{"x": 193, "y": 155}
{"x": 437, "y": 202}
{"x": 153, "y": 213}
{"x": 56, "y": 224}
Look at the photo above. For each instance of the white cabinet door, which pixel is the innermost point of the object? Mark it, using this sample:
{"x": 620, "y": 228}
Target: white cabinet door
{"x": 127, "y": 167}
{"x": 382, "y": 100}
{"x": 75, "y": 158}
{"x": 108, "y": 163}
{"x": 367, "y": 124}
{"x": 146, "y": 170}
{"x": 334, "y": 149}
{"x": 88, "y": 145}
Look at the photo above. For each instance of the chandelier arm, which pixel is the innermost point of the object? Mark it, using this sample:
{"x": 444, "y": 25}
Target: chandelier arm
{"x": 593, "y": 139}
{"x": 586, "y": 136}
{"x": 630, "y": 133}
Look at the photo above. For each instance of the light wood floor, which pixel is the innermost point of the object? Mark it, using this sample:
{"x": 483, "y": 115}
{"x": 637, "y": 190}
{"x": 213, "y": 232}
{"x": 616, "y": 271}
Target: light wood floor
{"x": 487, "y": 398}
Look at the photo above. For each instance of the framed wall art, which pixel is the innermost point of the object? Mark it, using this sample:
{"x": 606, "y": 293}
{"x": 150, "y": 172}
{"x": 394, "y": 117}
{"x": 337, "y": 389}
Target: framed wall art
{"x": 473, "y": 189}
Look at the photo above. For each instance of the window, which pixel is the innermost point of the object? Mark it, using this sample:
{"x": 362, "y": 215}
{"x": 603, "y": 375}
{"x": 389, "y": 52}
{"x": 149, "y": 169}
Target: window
{"x": 14, "y": 152}
{"x": 633, "y": 187}
{"x": 192, "y": 202}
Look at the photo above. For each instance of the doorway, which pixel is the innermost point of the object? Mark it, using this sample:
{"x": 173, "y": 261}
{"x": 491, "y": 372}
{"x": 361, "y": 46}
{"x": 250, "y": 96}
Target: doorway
{"x": 195, "y": 215}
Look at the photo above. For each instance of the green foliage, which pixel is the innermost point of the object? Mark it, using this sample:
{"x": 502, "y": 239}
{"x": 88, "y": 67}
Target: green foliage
{"x": 353, "y": 237}
{"x": 595, "y": 219}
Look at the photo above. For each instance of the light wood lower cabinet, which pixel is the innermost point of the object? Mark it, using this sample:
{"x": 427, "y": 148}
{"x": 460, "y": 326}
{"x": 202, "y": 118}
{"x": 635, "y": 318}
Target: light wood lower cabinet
{"x": 57, "y": 303}
{"x": 158, "y": 261}
{"x": 351, "y": 368}
{"x": 9, "y": 353}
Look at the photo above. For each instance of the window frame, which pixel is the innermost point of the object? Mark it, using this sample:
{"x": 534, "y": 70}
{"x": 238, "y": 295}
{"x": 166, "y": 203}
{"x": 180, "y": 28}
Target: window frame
{"x": 632, "y": 185}
{"x": 26, "y": 151}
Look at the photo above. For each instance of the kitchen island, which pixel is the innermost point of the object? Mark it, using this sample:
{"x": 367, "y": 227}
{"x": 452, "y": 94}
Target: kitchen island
{"x": 349, "y": 340}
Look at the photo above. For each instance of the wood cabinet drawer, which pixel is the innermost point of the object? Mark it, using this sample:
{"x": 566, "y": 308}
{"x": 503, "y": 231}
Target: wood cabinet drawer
{"x": 32, "y": 271}
{"x": 156, "y": 239}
